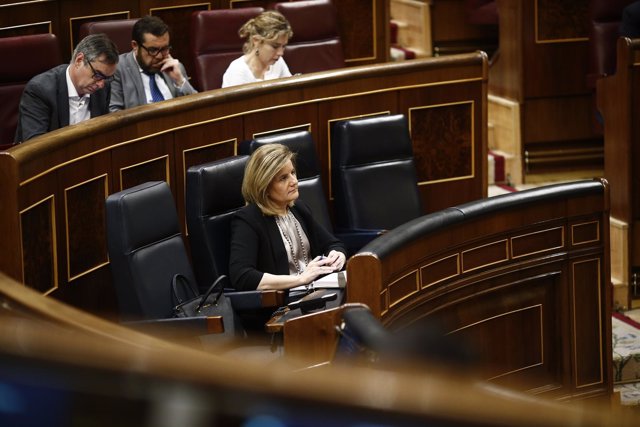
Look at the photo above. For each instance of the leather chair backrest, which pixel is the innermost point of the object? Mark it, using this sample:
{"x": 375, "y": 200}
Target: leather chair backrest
{"x": 25, "y": 57}
{"x": 374, "y": 178}
{"x": 605, "y": 17}
{"x": 146, "y": 249}
{"x": 213, "y": 195}
{"x": 118, "y": 30}
{"x": 215, "y": 42}
{"x": 307, "y": 168}
{"x": 316, "y": 44}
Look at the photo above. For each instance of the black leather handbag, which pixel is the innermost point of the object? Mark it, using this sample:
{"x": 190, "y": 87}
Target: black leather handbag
{"x": 211, "y": 303}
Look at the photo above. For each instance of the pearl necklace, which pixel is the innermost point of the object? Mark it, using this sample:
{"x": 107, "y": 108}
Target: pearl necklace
{"x": 281, "y": 226}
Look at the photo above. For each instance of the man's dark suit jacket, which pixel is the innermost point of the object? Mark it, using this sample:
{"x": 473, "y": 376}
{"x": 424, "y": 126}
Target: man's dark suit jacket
{"x": 257, "y": 246}
{"x": 44, "y": 105}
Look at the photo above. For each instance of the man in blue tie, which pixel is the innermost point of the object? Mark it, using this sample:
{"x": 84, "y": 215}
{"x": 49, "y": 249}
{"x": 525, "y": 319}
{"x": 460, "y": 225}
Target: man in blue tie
{"x": 148, "y": 73}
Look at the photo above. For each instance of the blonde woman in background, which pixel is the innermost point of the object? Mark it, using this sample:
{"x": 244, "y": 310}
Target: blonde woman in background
{"x": 266, "y": 36}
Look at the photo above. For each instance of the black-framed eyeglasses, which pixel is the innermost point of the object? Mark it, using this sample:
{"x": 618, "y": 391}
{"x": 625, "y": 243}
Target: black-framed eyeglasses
{"x": 98, "y": 76}
{"x": 154, "y": 51}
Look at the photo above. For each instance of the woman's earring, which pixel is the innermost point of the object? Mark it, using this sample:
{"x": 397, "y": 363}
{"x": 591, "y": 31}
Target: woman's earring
{"x": 257, "y": 52}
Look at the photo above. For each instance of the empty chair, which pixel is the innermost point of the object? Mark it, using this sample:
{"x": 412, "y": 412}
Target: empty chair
{"x": 118, "y": 30}
{"x": 215, "y": 42}
{"x": 26, "y": 57}
{"x": 374, "y": 179}
{"x": 146, "y": 249}
{"x": 316, "y": 44}
{"x": 307, "y": 169}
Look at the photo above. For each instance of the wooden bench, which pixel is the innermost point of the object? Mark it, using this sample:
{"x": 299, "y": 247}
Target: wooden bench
{"x": 522, "y": 278}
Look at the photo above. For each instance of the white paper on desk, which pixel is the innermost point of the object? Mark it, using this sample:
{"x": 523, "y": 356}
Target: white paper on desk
{"x": 330, "y": 281}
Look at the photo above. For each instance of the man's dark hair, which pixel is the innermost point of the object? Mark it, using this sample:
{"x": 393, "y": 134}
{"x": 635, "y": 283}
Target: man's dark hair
{"x": 148, "y": 25}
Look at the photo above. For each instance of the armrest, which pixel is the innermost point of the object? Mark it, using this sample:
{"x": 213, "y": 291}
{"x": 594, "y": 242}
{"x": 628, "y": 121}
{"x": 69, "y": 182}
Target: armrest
{"x": 254, "y": 300}
{"x": 187, "y": 327}
{"x": 355, "y": 238}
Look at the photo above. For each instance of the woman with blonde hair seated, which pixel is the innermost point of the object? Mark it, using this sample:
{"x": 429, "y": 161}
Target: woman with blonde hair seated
{"x": 266, "y": 37}
{"x": 275, "y": 241}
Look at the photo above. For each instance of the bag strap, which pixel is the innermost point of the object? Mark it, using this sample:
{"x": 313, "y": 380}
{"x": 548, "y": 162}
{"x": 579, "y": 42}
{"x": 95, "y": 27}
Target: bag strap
{"x": 180, "y": 278}
{"x": 210, "y": 291}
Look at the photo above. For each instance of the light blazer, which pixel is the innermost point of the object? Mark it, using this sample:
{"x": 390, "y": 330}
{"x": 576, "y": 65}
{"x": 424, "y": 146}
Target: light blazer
{"x": 44, "y": 105}
{"x": 127, "y": 89}
{"x": 257, "y": 246}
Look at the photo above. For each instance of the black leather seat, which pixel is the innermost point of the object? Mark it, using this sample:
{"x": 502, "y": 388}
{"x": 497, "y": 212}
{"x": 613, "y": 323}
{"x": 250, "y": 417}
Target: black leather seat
{"x": 310, "y": 184}
{"x": 316, "y": 44}
{"x": 374, "y": 178}
{"x": 146, "y": 249}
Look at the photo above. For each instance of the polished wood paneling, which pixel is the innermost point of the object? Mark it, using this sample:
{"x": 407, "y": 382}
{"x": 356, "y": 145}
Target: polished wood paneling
{"x": 161, "y": 141}
{"x": 619, "y": 102}
{"x": 523, "y": 285}
{"x": 542, "y": 65}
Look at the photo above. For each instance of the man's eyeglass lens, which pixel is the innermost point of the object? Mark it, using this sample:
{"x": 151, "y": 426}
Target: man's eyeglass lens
{"x": 97, "y": 75}
{"x": 154, "y": 51}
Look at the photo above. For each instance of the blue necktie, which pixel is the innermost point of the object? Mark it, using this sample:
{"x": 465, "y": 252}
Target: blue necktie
{"x": 156, "y": 95}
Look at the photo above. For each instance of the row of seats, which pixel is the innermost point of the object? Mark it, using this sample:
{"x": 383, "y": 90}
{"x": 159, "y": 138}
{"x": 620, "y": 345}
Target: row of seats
{"x": 144, "y": 238}
{"x": 214, "y": 43}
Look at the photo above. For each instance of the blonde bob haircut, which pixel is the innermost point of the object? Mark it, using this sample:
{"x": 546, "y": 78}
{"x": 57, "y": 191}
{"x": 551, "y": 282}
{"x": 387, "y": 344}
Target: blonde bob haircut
{"x": 262, "y": 167}
{"x": 268, "y": 26}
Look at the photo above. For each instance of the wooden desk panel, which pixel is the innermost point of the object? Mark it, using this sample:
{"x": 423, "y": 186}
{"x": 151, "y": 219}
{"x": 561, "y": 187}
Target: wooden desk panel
{"x": 525, "y": 286}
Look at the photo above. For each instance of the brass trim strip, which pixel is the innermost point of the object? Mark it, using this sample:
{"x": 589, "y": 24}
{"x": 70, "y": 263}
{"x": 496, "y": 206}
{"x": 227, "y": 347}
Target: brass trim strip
{"x": 540, "y": 251}
{"x": 282, "y": 130}
{"x": 54, "y": 239}
{"x": 181, "y": 6}
{"x": 31, "y": 24}
{"x": 245, "y": 112}
{"x": 70, "y": 278}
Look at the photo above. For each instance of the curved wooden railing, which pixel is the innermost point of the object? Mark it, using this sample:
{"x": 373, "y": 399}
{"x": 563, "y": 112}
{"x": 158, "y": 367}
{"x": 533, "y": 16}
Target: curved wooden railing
{"x": 54, "y": 186}
{"x": 522, "y": 278}
{"x": 83, "y": 362}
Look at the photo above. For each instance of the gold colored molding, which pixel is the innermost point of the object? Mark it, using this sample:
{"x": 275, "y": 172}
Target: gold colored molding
{"x": 597, "y": 239}
{"x": 181, "y": 6}
{"x": 304, "y": 126}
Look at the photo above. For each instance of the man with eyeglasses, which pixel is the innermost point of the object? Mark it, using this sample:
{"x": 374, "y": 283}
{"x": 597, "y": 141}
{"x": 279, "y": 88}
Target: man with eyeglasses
{"x": 148, "y": 73}
{"x": 69, "y": 93}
